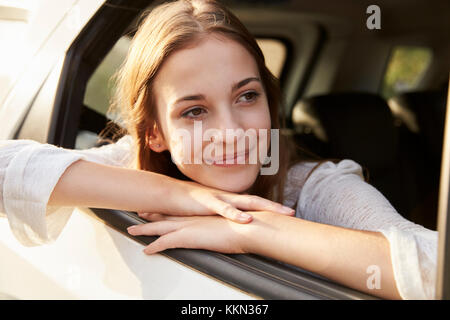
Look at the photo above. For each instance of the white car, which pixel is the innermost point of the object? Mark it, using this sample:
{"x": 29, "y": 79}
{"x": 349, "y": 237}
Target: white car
{"x": 54, "y": 74}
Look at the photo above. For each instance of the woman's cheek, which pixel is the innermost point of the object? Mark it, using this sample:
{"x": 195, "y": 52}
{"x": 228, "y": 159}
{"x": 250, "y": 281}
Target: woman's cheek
{"x": 257, "y": 117}
{"x": 181, "y": 146}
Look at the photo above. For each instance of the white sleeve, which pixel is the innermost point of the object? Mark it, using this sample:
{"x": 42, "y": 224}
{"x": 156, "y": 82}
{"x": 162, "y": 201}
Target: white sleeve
{"x": 336, "y": 194}
{"x": 29, "y": 172}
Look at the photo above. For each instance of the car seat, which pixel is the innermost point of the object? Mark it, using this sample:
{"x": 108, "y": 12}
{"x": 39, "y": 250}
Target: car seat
{"x": 361, "y": 127}
{"x": 423, "y": 113}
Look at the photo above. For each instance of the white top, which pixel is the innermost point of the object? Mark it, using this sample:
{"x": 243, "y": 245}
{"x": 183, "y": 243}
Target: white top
{"x": 334, "y": 194}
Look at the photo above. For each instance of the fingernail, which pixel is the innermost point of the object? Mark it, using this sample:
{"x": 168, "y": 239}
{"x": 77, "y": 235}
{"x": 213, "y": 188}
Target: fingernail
{"x": 147, "y": 251}
{"x": 288, "y": 210}
{"x": 244, "y": 217}
{"x": 131, "y": 229}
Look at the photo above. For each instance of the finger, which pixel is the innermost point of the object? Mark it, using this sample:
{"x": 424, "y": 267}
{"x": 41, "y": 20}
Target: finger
{"x": 228, "y": 211}
{"x": 255, "y": 203}
{"x": 165, "y": 217}
{"x": 144, "y": 215}
{"x": 164, "y": 242}
{"x": 155, "y": 217}
{"x": 153, "y": 228}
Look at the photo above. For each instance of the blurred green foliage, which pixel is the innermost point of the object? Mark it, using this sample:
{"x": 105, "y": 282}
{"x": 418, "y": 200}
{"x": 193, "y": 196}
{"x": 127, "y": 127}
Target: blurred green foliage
{"x": 101, "y": 86}
{"x": 406, "y": 67}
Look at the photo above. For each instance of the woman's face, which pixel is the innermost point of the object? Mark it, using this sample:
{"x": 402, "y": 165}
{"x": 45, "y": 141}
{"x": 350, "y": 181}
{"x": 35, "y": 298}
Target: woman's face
{"x": 202, "y": 91}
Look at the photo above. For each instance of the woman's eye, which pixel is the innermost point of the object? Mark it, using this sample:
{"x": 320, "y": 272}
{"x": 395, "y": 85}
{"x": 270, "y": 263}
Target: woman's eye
{"x": 249, "y": 96}
{"x": 193, "y": 113}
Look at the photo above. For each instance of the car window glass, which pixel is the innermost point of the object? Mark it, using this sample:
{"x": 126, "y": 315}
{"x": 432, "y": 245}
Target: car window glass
{"x": 100, "y": 87}
{"x": 274, "y": 53}
{"x": 405, "y": 69}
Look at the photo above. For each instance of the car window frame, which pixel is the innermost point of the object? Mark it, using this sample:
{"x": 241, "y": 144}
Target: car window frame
{"x": 258, "y": 276}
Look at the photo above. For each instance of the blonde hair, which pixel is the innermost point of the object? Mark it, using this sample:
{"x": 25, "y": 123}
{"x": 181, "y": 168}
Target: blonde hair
{"x": 165, "y": 29}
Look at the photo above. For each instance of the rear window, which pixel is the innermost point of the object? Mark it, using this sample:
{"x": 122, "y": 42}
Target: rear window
{"x": 405, "y": 69}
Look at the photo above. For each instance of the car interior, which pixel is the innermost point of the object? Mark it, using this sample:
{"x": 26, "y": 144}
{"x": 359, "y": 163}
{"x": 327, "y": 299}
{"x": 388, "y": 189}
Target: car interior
{"x": 376, "y": 96}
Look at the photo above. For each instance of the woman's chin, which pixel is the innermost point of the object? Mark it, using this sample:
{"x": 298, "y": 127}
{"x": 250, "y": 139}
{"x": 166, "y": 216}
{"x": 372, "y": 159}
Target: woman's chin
{"x": 235, "y": 187}
{"x": 236, "y": 181}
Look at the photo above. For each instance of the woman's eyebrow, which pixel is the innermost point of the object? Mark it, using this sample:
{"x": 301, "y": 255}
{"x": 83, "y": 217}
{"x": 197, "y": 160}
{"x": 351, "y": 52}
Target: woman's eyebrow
{"x": 202, "y": 97}
{"x": 189, "y": 98}
{"x": 243, "y": 83}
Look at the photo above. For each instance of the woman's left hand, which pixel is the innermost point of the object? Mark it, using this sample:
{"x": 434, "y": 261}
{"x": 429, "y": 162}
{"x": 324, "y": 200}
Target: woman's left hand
{"x": 196, "y": 232}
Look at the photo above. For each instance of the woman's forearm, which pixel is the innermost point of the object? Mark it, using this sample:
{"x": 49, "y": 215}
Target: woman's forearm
{"x": 89, "y": 184}
{"x": 347, "y": 256}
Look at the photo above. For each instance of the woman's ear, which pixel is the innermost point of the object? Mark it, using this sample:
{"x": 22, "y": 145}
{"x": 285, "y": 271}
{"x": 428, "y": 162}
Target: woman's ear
{"x": 155, "y": 140}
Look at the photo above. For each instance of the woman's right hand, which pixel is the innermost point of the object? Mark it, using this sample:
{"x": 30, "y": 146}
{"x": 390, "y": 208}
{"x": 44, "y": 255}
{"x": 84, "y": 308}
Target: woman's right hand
{"x": 193, "y": 199}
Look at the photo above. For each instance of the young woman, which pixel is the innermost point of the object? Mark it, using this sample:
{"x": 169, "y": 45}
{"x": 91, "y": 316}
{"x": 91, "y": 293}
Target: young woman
{"x": 193, "y": 62}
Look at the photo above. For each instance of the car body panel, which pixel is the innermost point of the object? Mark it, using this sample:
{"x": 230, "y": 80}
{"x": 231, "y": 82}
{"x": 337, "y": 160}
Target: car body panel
{"x": 52, "y": 40}
{"x": 91, "y": 260}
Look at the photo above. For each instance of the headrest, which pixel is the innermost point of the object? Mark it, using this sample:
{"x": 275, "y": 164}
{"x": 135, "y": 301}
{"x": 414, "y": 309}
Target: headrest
{"x": 427, "y": 113}
{"x": 359, "y": 126}
{"x": 422, "y": 103}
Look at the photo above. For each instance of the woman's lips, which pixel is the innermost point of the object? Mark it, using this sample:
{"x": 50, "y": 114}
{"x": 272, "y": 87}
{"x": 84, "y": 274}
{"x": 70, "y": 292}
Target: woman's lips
{"x": 237, "y": 158}
{"x": 232, "y": 160}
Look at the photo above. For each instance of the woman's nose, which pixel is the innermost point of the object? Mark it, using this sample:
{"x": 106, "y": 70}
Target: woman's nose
{"x": 229, "y": 126}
